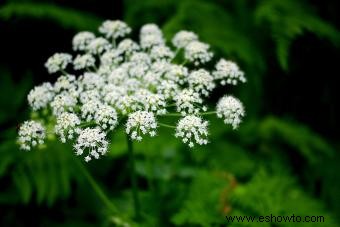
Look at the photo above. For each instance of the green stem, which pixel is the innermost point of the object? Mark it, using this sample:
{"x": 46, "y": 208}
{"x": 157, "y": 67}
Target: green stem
{"x": 64, "y": 72}
{"x": 133, "y": 178}
{"x": 208, "y": 113}
{"x": 166, "y": 125}
{"x": 97, "y": 189}
{"x": 86, "y": 124}
{"x": 172, "y": 115}
{"x": 180, "y": 115}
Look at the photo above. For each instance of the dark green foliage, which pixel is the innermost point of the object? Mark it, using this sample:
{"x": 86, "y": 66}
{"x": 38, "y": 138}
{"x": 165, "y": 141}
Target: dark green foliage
{"x": 67, "y": 18}
{"x": 289, "y": 19}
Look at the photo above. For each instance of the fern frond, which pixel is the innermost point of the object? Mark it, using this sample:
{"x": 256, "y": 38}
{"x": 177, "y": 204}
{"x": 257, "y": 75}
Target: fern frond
{"x": 289, "y": 19}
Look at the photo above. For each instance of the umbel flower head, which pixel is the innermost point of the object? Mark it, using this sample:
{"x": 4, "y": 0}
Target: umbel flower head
{"x": 136, "y": 84}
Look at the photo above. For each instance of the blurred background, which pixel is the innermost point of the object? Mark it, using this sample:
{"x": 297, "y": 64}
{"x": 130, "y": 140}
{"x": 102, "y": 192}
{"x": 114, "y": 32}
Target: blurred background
{"x": 283, "y": 160}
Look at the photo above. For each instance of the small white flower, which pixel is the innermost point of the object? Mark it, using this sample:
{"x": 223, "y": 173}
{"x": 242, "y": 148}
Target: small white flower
{"x": 126, "y": 103}
{"x": 161, "y": 52}
{"x": 113, "y": 96}
{"x": 183, "y": 38}
{"x": 89, "y": 95}
{"x": 197, "y": 52}
{"x": 106, "y": 117}
{"x": 89, "y": 109}
{"x": 140, "y": 58}
{"x": 141, "y": 123}
{"x": 90, "y": 81}
{"x": 58, "y": 62}
{"x": 231, "y": 110}
{"x": 66, "y": 126}
{"x": 98, "y": 46}
{"x": 168, "y": 88}
{"x": 127, "y": 46}
{"x": 31, "y": 133}
{"x": 65, "y": 83}
{"x": 188, "y": 102}
{"x": 150, "y": 101}
{"x": 177, "y": 73}
{"x": 93, "y": 142}
{"x": 118, "y": 75}
{"x": 150, "y": 29}
{"x": 201, "y": 81}
{"x": 138, "y": 70}
{"x": 63, "y": 102}
{"x": 150, "y": 40}
{"x": 111, "y": 58}
{"x": 81, "y": 40}
{"x": 114, "y": 29}
{"x": 85, "y": 61}
{"x": 40, "y": 96}
{"x": 228, "y": 72}
{"x": 192, "y": 129}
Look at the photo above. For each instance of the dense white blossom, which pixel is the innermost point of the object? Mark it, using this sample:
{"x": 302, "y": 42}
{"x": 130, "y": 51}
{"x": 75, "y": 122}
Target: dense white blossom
{"x": 161, "y": 52}
{"x": 111, "y": 58}
{"x": 92, "y": 142}
{"x": 231, "y": 110}
{"x": 98, "y": 46}
{"x": 90, "y": 81}
{"x": 89, "y": 109}
{"x": 66, "y": 126}
{"x": 188, "y": 102}
{"x": 127, "y": 46}
{"x": 150, "y": 101}
{"x": 81, "y": 40}
{"x": 31, "y": 133}
{"x": 85, "y": 61}
{"x": 201, "y": 81}
{"x": 150, "y": 40}
{"x": 177, "y": 73}
{"x": 40, "y": 96}
{"x": 58, "y": 62}
{"x": 65, "y": 83}
{"x": 228, "y": 72}
{"x": 141, "y": 123}
{"x": 63, "y": 103}
{"x": 192, "y": 129}
{"x": 114, "y": 29}
{"x": 168, "y": 88}
{"x": 183, "y": 38}
{"x": 197, "y": 52}
{"x": 139, "y": 83}
{"x": 106, "y": 117}
{"x": 150, "y": 29}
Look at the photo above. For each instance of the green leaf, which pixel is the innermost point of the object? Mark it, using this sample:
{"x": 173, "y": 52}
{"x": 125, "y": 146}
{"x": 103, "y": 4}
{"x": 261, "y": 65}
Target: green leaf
{"x": 277, "y": 194}
{"x": 309, "y": 144}
{"x": 203, "y": 207}
{"x": 65, "y": 17}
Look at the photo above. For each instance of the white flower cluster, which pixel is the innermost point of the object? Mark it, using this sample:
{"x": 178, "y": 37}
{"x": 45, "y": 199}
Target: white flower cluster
{"x": 58, "y": 62}
{"x": 66, "y": 126}
{"x": 93, "y": 141}
{"x": 231, "y": 110}
{"x": 192, "y": 129}
{"x": 40, "y": 96}
{"x": 31, "y": 133}
{"x": 137, "y": 83}
{"x": 114, "y": 29}
{"x": 228, "y": 73}
{"x": 140, "y": 123}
